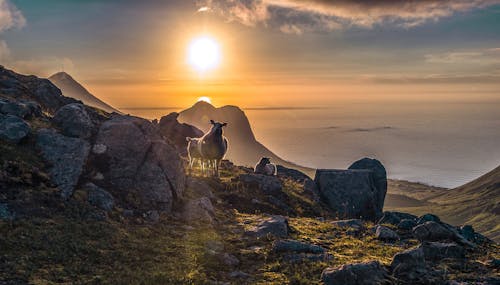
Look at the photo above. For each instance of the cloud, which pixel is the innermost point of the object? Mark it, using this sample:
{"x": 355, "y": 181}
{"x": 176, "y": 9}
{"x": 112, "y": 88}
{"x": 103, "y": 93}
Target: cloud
{"x": 10, "y": 16}
{"x": 44, "y": 67}
{"x": 4, "y": 51}
{"x": 480, "y": 56}
{"x": 298, "y": 16}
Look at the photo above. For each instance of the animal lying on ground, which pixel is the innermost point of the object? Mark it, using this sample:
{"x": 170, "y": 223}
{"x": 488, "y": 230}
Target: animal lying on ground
{"x": 265, "y": 167}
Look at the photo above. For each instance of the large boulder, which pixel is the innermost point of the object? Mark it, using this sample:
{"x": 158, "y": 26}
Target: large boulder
{"x": 17, "y": 109}
{"x": 176, "y": 132}
{"x": 136, "y": 165}
{"x": 409, "y": 264}
{"x": 436, "y": 251}
{"x": 433, "y": 231}
{"x": 74, "y": 121}
{"x": 379, "y": 177}
{"x": 13, "y": 129}
{"x": 66, "y": 157}
{"x": 366, "y": 273}
{"x": 350, "y": 193}
{"x": 199, "y": 211}
{"x": 270, "y": 185}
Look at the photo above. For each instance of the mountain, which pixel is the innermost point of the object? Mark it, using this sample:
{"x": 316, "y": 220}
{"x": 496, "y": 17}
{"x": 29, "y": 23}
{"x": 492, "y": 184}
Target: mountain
{"x": 71, "y": 88}
{"x": 244, "y": 149}
{"x": 476, "y": 203}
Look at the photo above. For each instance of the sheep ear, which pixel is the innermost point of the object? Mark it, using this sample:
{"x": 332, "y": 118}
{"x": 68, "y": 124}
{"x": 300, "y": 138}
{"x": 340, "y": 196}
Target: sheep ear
{"x": 212, "y": 122}
{"x": 225, "y": 124}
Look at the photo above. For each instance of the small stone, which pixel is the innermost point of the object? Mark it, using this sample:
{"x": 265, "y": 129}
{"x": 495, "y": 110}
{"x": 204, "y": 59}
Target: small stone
{"x": 385, "y": 234}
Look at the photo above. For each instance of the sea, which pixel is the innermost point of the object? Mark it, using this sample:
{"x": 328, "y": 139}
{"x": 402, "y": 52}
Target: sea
{"x": 444, "y": 144}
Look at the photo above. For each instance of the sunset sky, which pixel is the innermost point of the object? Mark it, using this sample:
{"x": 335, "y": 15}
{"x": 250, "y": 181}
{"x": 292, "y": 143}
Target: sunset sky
{"x": 272, "y": 52}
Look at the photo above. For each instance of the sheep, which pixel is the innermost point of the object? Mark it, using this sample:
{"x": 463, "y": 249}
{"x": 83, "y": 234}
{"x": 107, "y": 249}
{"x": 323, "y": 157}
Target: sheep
{"x": 265, "y": 167}
{"x": 213, "y": 146}
{"x": 193, "y": 151}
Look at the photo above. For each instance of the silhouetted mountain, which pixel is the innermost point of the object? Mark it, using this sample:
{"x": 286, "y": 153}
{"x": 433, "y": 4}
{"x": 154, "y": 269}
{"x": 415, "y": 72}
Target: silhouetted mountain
{"x": 243, "y": 149}
{"x": 71, "y": 88}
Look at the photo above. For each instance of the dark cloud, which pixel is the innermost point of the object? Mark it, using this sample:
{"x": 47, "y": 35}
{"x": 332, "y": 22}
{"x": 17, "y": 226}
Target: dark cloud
{"x": 297, "y": 17}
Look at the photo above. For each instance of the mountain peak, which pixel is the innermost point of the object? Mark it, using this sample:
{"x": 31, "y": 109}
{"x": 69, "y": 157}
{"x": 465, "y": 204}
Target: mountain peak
{"x": 61, "y": 76}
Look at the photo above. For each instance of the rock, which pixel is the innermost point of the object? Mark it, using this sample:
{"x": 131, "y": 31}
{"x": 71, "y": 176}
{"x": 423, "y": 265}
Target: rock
{"x": 409, "y": 264}
{"x": 352, "y": 223}
{"x": 74, "y": 121}
{"x": 152, "y": 216}
{"x": 467, "y": 231}
{"x": 17, "y": 109}
{"x": 428, "y": 218}
{"x": 350, "y": 193}
{"x": 379, "y": 177}
{"x": 432, "y": 231}
{"x": 229, "y": 259}
{"x": 385, "y": 234}
{"x": 311, "y": 189}
{"x": 494, "y": 263}
{"x": 291, "y": 173}
{"x": 13, "y": 129}
{"x": 394, "y": 218}
{"x": 136, "y": 163}
{"x": 270, "y": 185}
{"x": 239, "y": 274}
{"x": 199, "y": 210}
{"x": 5, "y": 212}
{"x": 275, "y": 225}
{"x": 436, "y": 251}
{"x": 366, "y": 273}
{"x": 176, "y": 132}
{"x": 296, "y": 246}
{"x": 99, "y": 197}
{"x": 66, "y": 157}
{"x": 198, "y": 188}
{"x": 407, "y": 224}
{"x": 301, "y": 257}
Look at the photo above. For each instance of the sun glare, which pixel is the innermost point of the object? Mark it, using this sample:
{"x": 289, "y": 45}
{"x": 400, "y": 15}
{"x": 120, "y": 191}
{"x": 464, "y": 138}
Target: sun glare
{"x": 204, "y": 53}
{"x": 205, "y": 99}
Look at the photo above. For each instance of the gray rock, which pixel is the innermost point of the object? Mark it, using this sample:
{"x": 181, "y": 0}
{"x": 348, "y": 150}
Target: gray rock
{"x": 432, "y": 231}
{"x": 350, "y": 193}
{"x": 407, "y": 224}
{"x": 428, "y": 218}
{"x": 74, "y": 121}
{"x": 467, "y": 231}
{"x": 66, "y": 157}
{"x": 379, "y": 177}
{"x": 436, "y": 251}
{"x": 5, "y": 212}
{"x": 13, "y": 129}
{"x": 135, "y": 161}
{"x": 394, "y": 218}
{"x": 267, "y": 184}
{"x": 352, "y": 223}
{"x": 366, "y": 273}
{"x": 17, "y": 109}
{"x": 296, "y": 246}
{"x": 409, "y": 264}
{"x": 99, "y": 197}
{"x": 311, "y": 189}
{"x": 385, "y": 234}
{"x": 275, "y": 226}
{"x": 199, "y": 210}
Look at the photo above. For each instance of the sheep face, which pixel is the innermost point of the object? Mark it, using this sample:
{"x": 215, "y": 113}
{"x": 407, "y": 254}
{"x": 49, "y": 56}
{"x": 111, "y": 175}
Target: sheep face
{"x": 217, "y": 127}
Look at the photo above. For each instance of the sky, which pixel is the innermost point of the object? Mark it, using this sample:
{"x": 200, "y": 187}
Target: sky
{"x": 272, "y": 52}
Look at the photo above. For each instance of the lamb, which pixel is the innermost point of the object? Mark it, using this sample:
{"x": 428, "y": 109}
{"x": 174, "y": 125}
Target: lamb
{"x": 265, "y": 167}
{"x": 193, "y": 151}
{"x": 213, "y": 146}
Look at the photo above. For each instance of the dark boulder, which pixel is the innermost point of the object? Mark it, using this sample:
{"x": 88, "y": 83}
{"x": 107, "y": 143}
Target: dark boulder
{"x": 270, "y": 185}
{"x": 99, "y": 197}
{"x": 432, "y": 231}
{"x": 409, "y": 264}
{"x": 385, "y": 234}
{"x": 349, "y": 193}
{"x": 366, "y": 273}
{"x": 13, "y": 129}
{"x": 436, "y": 251}
{"x": 407, "y": 224}
{"x": 428, "y": 218}
{"x": 379, "y": 177}
{"x": 74, "y": 121}
{"x": 136, "y": 165}
{"x": 17, "y": 109}
{"x": 66, "y": 157}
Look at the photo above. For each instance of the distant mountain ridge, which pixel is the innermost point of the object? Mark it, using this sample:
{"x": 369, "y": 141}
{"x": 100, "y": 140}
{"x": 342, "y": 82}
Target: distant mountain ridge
{"x": 71, "y": 88}
{"x": 244, "y": 149}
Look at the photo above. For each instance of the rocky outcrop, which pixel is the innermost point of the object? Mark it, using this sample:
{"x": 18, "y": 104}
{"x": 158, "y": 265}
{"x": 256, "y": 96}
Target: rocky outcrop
{"x": 176, "y": 132}
{"x": 31, "y": 88}
{"x": 433, "y": 231}
{"x": 99, "y": 197}
{"x": 136, "y": 165}
{"x": 270, "y": 185}
{"x": 74, "y": 121}
{"x": 199, "y": 211}
{"x": 436, "y": 251}
{"x": 409, "y": 264}
{"x": 66, "y": 157}
{"x": 379, "y": 177}
{"x": 349, "y": 193}
{"x": 276, "y": 226}
{"x": 366, "y": 273}
{"x": 13, "y": 129}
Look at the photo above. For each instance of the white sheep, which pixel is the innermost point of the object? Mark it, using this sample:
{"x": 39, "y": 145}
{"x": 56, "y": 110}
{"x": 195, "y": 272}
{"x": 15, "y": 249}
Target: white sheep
{"x": 265, "y": 167}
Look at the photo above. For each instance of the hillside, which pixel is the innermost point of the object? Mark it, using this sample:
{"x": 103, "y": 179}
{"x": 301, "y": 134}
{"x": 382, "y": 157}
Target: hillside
{"x": 244, "y": 149}
{"x": 71, "y": 88}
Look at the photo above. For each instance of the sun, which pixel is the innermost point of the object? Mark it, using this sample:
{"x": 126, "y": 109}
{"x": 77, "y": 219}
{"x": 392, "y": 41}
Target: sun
{"x": 204, "y": 53}
{"x": 205, "y": 99}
